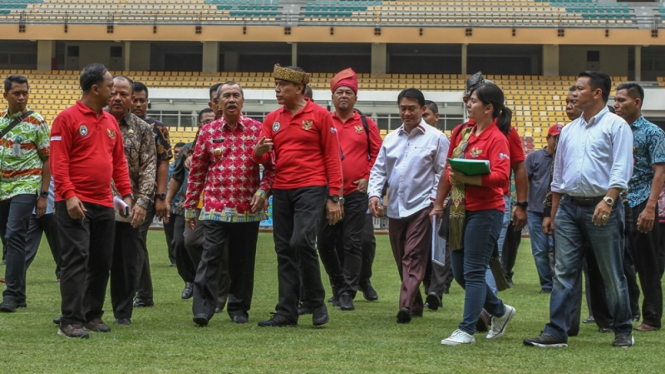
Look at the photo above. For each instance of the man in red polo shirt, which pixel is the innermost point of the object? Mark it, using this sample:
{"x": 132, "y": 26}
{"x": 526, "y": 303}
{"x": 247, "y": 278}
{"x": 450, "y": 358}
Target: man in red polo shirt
{"x": 307, "y": 170}
{"x": 340, "y": 245}
{"x": 86, "y": 154}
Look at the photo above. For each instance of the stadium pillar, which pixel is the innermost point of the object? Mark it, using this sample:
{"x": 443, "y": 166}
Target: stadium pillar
{"x": 550, "y": 60}
{"x": 210, "y": 57}
{"x": 45, "y": 54}
{"x": 638, "y": 63}
{"x": 128, "y": 54}
{"x": 294, "y": 54}
{"x": 379, "y": 58}
{"x": 465, "y": 58}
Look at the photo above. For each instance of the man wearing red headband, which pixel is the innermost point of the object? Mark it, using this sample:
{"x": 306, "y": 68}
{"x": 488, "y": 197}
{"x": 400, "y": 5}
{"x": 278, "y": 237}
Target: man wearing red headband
{"x": 340, "y": 245}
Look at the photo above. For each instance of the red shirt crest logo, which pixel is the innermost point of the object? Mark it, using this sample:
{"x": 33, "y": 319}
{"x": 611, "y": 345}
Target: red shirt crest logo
{"x": 306, "y": 125}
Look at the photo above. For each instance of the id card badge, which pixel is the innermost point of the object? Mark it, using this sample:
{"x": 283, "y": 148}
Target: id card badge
{"x": 16, "y": 149}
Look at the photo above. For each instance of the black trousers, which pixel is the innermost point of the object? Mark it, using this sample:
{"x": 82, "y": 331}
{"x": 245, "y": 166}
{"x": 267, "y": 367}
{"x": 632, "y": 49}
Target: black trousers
{"x": 124, "y": 269}
{"x": 368, "y": 251}
{"x": 509, "y": 251}
{"x": 237, "y": 243}
{"x": 340, "y": 245}
{"x": 144, "y": 287}
{"x": 168, "y": 234}
{"x": 296, "y": 215}
{"x": 183, "y": 262}
{"x": 661, "y": 248}
{"x": 438, "y": 278}
{"x": 644, "y": 250}
{"x": 86, "y": 251}
{"x": 194, "y": 240}
{"x": 47, "y": 225}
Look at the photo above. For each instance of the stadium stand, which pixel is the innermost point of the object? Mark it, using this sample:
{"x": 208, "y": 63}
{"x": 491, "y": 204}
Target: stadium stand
{"x": 537, "y": 101}
{"x": 440, "y": 13}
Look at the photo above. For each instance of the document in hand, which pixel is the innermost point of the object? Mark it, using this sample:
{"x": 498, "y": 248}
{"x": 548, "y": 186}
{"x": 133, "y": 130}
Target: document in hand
{"x": 438, "y": 245}
{"x": 470, "y": 167}
{"x": 121, "y": 206}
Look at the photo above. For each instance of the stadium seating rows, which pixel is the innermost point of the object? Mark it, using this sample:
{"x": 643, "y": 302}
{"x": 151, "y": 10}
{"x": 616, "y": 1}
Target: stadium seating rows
{"x": 350, "y": 12}
{"x": 537, "y": 101}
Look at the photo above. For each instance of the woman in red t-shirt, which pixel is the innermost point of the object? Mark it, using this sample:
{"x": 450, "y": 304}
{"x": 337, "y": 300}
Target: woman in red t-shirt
{"x": 477, "y": 208}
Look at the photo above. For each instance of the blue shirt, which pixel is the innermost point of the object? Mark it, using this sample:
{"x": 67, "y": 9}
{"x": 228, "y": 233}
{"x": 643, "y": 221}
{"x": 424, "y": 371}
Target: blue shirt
{"x": 593, "y": 157}
{"x": 648, "y": 149}
{"x": 50, "y": 200}
{"x": 538, "y": 169}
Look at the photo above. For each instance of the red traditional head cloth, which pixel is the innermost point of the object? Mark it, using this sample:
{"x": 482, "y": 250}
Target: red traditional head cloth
{"x": 346, "y": 78}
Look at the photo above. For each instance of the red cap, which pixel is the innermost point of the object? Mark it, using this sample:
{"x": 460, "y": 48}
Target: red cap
{"x": 555, "y": 130}
{"x": 346, "y": 78}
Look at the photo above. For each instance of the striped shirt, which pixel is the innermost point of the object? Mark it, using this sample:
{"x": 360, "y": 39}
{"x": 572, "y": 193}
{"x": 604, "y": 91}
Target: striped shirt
{"x": 22, "y": 154}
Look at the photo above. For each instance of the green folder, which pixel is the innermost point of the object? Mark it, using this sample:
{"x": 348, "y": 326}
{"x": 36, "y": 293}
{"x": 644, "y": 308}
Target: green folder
{"x": 470, "y": 167}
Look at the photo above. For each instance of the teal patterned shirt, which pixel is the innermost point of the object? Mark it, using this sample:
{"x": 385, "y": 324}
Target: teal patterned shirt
{"x": 648, "y": 149}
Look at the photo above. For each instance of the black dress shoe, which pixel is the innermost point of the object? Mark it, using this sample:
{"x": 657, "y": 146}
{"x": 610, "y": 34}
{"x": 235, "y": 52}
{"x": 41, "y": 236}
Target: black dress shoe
{"x": 304, "y": 309}
{"x": 545, "y": 340}
{"x": 57, "y": 320}
{"x": 320, "y": 315}
{"x": 623, "y": 340}
{"x": 123, "y": 321}
{"x": 278, "y": 321}
{"x": 8, "y": 306}
{"x": 239, "y": 318}
{"x": 346, "y": 302}
{"x": 201, "y": 320}
{"x": 369, "y": 293}
{"x": 140, "y": 302}
{"x": 433, "y": 301}
{"x": 404, "y": 315}
{"x": 188, "y": 292}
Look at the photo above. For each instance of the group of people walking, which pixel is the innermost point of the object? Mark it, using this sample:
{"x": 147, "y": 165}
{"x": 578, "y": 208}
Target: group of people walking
{"x": 328, "y": 174}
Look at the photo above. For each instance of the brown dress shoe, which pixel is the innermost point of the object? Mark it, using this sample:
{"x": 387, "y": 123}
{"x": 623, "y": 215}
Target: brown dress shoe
{"x": 644, "y": 327}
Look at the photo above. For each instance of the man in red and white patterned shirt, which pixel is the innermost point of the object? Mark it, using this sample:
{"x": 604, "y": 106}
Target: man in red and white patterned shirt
{"x": 233, "y": 199}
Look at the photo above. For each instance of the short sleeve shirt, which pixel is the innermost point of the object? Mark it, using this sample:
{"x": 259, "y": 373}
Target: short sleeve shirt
{"x": 648, "y": 149}
{"x": 22, "y": 151}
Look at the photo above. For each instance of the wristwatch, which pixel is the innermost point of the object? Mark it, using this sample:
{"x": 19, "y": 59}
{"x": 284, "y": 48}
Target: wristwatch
{"x": 522, "y": 204}
{"x": 160, "y": 196}
{"x": 43, "y": 194}
{"x": 609, "y": 201}
{"x": 336, "y": 199}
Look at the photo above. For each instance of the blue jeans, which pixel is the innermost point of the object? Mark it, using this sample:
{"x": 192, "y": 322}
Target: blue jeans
{"x": 469, "y": 265}
{"x": 573, "y": 229}
{"x": 489, "y": 277}
{"x": 540, "y": 248}
{"x": 14, "y": 222}
{"x": 507, "y": 215}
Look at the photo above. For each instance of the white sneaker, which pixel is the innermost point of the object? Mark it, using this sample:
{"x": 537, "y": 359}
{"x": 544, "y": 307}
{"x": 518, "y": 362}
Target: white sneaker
{"x": 499, "y": 324}
{"x": 459, "y": 337}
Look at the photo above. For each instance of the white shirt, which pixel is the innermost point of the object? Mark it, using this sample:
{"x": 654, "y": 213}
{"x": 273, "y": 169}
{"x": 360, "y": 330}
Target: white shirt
{"x": 593, "y": 157}
{"x": 412, "y": 164}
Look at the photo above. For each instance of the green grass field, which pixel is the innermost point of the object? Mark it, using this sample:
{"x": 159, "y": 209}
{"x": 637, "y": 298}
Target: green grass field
{"x": 367, "y": 340}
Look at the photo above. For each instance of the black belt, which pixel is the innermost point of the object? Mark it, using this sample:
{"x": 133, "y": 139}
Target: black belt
{"x": 585, "y": 201}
